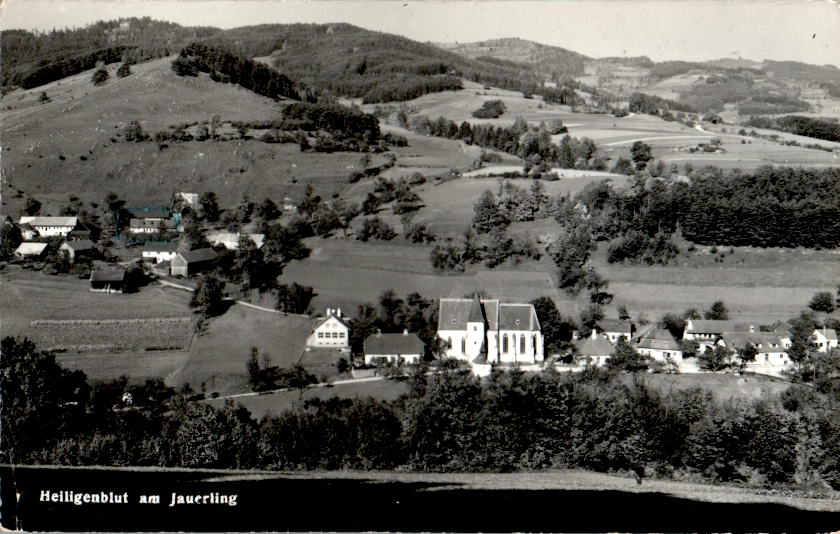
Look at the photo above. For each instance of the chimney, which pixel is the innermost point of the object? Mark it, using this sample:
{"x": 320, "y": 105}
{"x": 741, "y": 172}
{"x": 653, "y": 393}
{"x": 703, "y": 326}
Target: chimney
{"x": 329, "y": 312}
{"x": 752, "y": 329}
{"x": 338, "y": 312}
{"x": 405, "y": 331}
{"x": 378, "y": 332}
{"x": 594, "y": 334}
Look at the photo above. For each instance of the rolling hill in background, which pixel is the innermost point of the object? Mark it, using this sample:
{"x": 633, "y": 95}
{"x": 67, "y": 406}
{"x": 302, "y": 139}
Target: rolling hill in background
{"x": 552, "y": 61}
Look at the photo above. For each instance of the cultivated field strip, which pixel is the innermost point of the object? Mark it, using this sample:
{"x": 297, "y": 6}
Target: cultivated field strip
{"x": 87, "y": 335}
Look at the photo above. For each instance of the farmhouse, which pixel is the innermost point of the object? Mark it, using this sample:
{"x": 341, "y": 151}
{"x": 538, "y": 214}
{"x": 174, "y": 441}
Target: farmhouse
{"x": 594, "y": 350}
{"x": 615, "y": 329}
{"x": 84, "y": 231}
{"x": 107, "y": 280}
{"x": 331, "y": 331}
{"x": 190, "y": 262}
{"x": 78, "y": 250}
{"x": 660, "y": 345}
{"x": 486, "y": 331}
{"x": 706, "y": 333}
{"x": 27, "y": 232}
{"x": 51, "y": 226}
{"x": 156, "y": 252}
{"x": 230, "y": 240}
{"x": 28, "y": 250}
{"x": 150, "y": 226}
{"x": 393, "y": 348}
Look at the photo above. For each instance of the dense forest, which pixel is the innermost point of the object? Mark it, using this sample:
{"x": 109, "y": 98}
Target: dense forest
{"x": 772, "y": 206}
{"x": 828, "y": 130}
{"x": 228, "y": 67}
{"x": 449, "y": 420}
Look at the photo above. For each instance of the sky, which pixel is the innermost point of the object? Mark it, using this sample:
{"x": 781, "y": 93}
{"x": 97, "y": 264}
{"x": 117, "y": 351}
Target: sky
{"x": 693, "y": 30}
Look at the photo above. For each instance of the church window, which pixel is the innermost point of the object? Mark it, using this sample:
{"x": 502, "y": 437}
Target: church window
{"x": 521, "y": 343}
{"x": 463, "y": 345}
{"x": 504, "y": 343}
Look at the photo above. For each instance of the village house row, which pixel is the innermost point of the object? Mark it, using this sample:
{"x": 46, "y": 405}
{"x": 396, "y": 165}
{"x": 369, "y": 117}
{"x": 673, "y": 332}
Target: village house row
{"x": 482, "y": 332}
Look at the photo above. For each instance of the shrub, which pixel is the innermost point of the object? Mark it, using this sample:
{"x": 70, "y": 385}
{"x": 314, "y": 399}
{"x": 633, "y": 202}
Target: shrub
{"x": 375, "y": 228}
{"x": 491, "y": 109}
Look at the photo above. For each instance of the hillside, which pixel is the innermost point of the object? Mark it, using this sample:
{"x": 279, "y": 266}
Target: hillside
{"x": 73, "y": 143}
{"x": 552, "y": 61}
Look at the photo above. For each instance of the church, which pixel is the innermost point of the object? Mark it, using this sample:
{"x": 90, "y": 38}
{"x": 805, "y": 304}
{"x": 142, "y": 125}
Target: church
{"x": 486, "y": 331}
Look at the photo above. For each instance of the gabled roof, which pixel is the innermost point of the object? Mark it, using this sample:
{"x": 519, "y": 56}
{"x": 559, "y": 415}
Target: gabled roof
{"x": 26, "y": 227}
{"x": 150, "y": 213}
{"x": 518, "y": 317}
{"x": 29, "y": 248}
{"x": 716, "y": 327}
{"x": 219, "y": 238}
{"x": 454, "y": 314}
{"x": 615, "y": 325}
{"x": 343, "y": 320}
{"x": 160, "y": 246}
{"x": 394, "y": 344}
{"x": 659, "y": 340}
{"x": 107, "y": 275}
{"x": 79, "y": 245}
{"x": 829, "y": 333}
{"x": 598, "y": 346}
{"x": 763, "y": 341}
{"x": 50, "y": 221}
{"x": 198, "y": 255}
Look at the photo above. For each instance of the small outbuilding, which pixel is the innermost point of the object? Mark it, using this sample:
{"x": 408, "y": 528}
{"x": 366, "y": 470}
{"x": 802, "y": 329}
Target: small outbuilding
{"x": 594, "y": 350}
{"x": 31, "y": 251}
{"x": 109, "y": 280}
{"x": 156, "y": 252}
{"x": 393, "y": 348}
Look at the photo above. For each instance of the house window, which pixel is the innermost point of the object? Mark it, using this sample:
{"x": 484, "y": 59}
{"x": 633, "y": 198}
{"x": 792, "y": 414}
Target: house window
{"x": 522, "y": 343}
{"x": 475, "y": 328}
{"x": 320, "y": 334}
{"x": 341, "y": 334}
{"x": 505, "y": 344}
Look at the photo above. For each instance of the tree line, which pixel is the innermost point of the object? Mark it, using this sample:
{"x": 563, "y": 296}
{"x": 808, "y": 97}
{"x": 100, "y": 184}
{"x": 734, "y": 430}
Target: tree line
{"x": 828, "y": 130}
{"x": 449, "y": 420}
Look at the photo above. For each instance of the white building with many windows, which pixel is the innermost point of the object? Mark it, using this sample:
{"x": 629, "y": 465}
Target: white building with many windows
{"x": 50, "y": 226}
{"x": 330, "y": 332}
{"x": 484, "y": 331}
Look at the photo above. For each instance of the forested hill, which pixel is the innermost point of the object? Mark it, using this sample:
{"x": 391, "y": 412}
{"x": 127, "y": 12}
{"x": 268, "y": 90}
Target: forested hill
{"x": 552, "y": 61}
{"x": 30, "y": 59}
{"x": 351, "y": 61}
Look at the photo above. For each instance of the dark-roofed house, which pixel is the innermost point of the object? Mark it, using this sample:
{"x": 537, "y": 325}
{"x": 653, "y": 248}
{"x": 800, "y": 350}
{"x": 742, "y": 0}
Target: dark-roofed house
{"x": 150, "y": 214}
{"x": 660, "y": 345}
{"x": 594, "y": 350}
{"x": 150, "y": 226}
{"x": 393, "y": 348}
{"x": 79, "y": 249}
{"x": 706, "y": 333}
{"x": 108, "y": 280}
{"x": 190, "y": 262}
{"x": 331, "y": 331}
{"x": 615, "y": 329}
{"x": 488, "y": 331}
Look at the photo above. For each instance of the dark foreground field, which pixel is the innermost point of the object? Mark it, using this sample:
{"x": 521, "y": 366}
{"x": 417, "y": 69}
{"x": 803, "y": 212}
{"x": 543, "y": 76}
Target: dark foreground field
{"x": 547, "y": 501}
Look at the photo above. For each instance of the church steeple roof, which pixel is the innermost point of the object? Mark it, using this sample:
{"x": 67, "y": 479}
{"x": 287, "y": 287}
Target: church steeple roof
{"x": 476, "y": 314}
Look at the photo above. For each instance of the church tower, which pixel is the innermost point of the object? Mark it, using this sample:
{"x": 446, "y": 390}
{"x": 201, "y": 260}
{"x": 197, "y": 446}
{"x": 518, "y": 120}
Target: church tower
{"x": 476, "y": 339}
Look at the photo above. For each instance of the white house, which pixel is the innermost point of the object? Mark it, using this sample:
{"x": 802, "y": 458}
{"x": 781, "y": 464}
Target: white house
{"x": 230, "y": 240}
{"x": 156, "y": 252}
{"x": 393, "y": 348}
{"x": 51, "y": 226}
{"x": 30, "y": 250}
{"x": 660, "y": 345}
{"x": 488, "y": 331}
{"x": 771, "y": 353}
{"x": 825, "y": 339}
{"x": 594, "y": 350}
{"x": 331, "y": 331}
{"x": 27, "y": 232}
{"x": 78, "y": 249}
